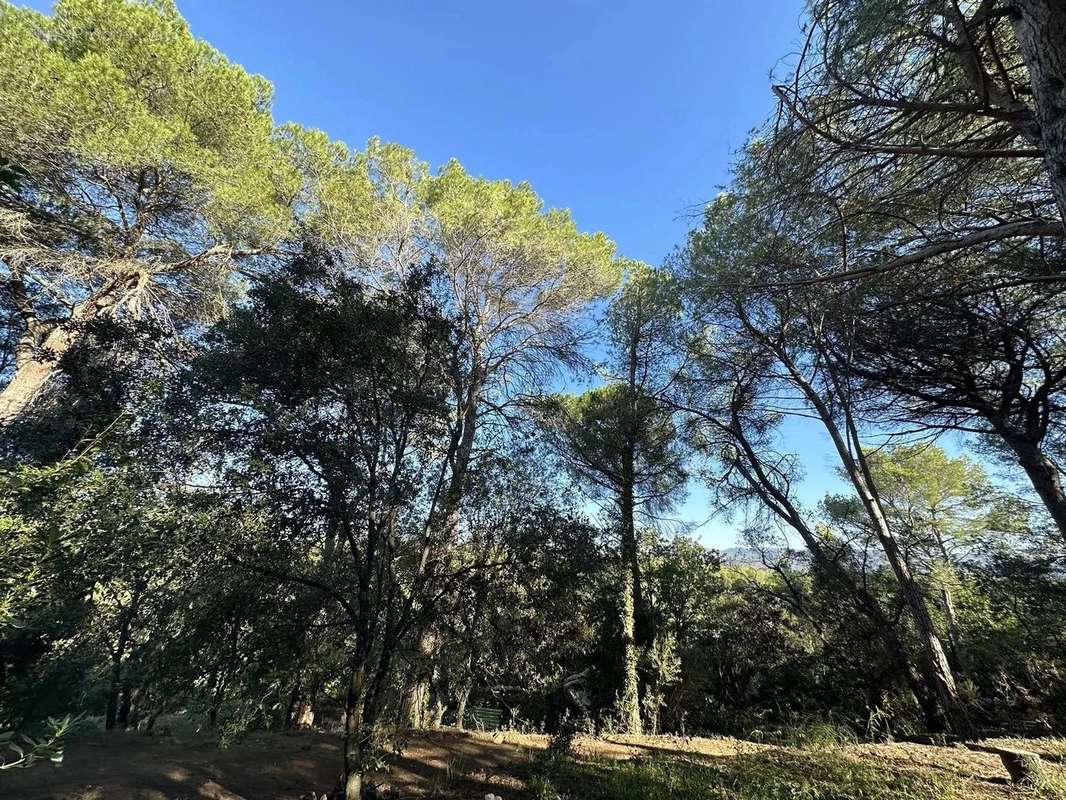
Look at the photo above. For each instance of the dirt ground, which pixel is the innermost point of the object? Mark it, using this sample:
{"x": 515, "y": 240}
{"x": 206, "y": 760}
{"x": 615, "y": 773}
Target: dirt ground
{"x": 448, "y": 763}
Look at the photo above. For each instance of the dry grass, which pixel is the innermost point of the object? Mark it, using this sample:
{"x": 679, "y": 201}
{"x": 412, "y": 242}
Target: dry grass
{"x": 127, "y": 766}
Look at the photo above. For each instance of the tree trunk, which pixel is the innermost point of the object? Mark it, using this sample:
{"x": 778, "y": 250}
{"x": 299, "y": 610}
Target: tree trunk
{"x": 954, "y": 637}
{"x": 304, "y": 714}
{"x": 414, "y": 703}
{"x": 629, "y": 710}
{"x": 217, "y": 696}
{"x": 629, "y": 703}
{"x": 1045, "y": 477}
{"x": 940, "y": 667}
{"x": 1040, "y": 26}
{"x": 216, "y": 679}
{"x": 466, "y": 684}
{"x": 115, "y": 685}
{"x": 937, "y": 661}
{"x": 37, "y": 365}
{"x": 28, "y": 384}
{"x": 779, "y": 502}
{"x": 461, "y": 700}
{"x": 632, "y": 592}
{"x": 850, "y": 453}
{"x": 1024, "y": 767}
{"x": 947, "y": 600}
{"x": 290, "y": 711}
{"x": 437, "y": 707}
{"x": 356, "y": 732}
{"x": 125, "y": 706}
{"x": 113, "y": 688}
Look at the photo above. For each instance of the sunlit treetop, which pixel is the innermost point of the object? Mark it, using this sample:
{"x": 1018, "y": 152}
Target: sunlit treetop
{"x": 499, "y": 236}
{"x": 367, "y": 204}
{"x": 115, "y": 107}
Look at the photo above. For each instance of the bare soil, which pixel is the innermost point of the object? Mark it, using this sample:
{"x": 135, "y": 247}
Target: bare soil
{"x": 447, "y": 763}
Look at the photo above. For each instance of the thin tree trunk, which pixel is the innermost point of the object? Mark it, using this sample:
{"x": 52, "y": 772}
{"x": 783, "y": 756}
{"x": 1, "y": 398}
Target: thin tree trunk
{"x": 631, "y": 589}
{"x": 467, "y": 683}
{"x": 867, "y": 605}
{"x": 356, "y": 734}
{"x": 938, "y": 665}
{"x": 125, "y": 706}
{"x": 858, "y": 472}
{"x": 414, "y": 704}
{"x": 111, "y": 714}
{"x": 629, "y": 703}
{"x": 290, "y": 712}
{"x": 435, "y": 715}
{"x": 954, "y": 637}
{"x": 778, "y": 501}
{"x": 301, "y": 711}
{"x": 629, "y": 710}
{"x": 1040, "y": 27}
{"x": 849, "y": 451}
{"x": 115, "y": 685}
{"x": 461, "y": 701}
{"x": 947, "y": 600}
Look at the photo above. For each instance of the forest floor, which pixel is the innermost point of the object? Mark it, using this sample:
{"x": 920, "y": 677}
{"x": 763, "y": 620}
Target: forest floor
{"x": 453, "y": 764}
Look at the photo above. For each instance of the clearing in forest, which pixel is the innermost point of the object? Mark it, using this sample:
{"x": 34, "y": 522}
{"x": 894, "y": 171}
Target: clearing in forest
{"x": 454, "y": 764}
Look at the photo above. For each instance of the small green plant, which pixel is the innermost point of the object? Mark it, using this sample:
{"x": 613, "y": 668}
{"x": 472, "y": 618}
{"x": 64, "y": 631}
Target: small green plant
{"x": 555, "y": 765}
{"x": 1050, "y": 787}
{"x": 807, "y": 733}
{"x": 29, "y": 750}
{"x": 819, "y": 733}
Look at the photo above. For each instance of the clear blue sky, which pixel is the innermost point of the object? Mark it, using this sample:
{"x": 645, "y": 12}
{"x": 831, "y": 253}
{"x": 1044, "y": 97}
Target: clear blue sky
{"x": 625, "y": 112}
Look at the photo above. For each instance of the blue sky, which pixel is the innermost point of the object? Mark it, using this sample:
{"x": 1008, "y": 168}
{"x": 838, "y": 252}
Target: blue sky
{"x": 627, "y": 113}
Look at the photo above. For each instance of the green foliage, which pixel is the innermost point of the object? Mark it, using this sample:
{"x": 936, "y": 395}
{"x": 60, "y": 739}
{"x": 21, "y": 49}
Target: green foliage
{"x": 45, "y": 577}
{"x": 478, "y": 223}
{"x": 369, "y": 203}
{"x": 598, "y": 428}
{"x": 935, "y": 495}
{"x": 105, "y": 95}
{"x": 29, "y": 750}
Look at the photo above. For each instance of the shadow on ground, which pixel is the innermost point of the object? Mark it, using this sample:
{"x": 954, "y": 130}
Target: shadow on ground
{"x": 447, "y": 763}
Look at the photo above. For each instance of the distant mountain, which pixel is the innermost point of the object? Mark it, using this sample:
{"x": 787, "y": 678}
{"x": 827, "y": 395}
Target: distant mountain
{"x": 750, "y": 557}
